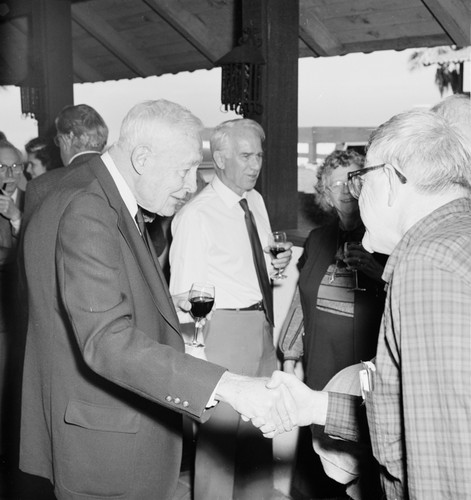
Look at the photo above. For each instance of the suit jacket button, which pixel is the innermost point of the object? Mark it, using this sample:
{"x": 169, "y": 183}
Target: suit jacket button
{"x": 168, "y": 398}
{"x": 185, "y": 403}
{"x": 177, "y": 400}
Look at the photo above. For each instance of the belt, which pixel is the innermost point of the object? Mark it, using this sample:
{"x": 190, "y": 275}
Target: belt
{"x": 254, "y": 307}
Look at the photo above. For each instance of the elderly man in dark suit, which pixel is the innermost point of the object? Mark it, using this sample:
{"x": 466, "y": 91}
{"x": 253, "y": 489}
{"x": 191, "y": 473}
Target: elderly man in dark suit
{"x": 81, "y": 135}
{"x": 106, "y": 379}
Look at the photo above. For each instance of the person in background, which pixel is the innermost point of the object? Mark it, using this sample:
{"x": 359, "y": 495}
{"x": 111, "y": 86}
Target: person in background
{"x": 414, "y": 198}
{"x": 456, "y": 109}
{"x": 332, "y": 322}
{"x": 40, "y": 157}
{"x": 106, "y": 379}
{"x": 211, "y": 244}
{"x": 81, "y": 136}
{"x": 11, "y": 206}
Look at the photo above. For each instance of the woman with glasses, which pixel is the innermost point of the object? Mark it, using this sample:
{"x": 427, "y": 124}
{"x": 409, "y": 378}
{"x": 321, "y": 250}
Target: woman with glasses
{"x": 335, "y": 316}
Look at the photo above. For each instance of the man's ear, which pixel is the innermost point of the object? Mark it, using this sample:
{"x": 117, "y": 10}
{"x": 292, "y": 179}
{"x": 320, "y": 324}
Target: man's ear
{"x": 394, "y": 184}
{"x": 219, "y": 159}
{"x": 139, "y": 157}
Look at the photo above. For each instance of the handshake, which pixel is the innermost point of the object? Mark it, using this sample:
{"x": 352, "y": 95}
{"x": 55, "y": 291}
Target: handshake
{"x": 274, "y": 405}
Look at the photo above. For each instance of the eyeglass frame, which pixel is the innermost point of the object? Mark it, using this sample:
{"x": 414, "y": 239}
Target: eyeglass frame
{"x": 344, "y": 185}
{"x": 13, "y": 168}
{"x": 357, "y": 174}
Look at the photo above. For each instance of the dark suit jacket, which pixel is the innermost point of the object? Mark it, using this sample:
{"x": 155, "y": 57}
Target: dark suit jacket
{"x": 105, "y": 373}
{"x": 37, "y": 189}
{"x": 8, "y": 276}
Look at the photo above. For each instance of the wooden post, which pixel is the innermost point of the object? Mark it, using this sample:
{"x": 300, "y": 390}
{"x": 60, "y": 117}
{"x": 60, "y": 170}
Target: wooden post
{"x": 51, "y": 27}
{"x": 276, "y": 22}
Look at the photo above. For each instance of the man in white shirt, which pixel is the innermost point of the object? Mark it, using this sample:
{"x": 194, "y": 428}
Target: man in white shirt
{"x": 106, "y": 379}
{"x": 211, "y": 243}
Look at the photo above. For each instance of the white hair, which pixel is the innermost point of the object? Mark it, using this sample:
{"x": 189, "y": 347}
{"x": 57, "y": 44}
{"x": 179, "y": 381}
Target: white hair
{"x": 426, "y": 147}
{"x": 220, "y": 135}
{"x": 150, "y": 122}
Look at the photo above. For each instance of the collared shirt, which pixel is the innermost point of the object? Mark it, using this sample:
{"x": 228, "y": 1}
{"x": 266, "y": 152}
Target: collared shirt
{"x": 16, "y": 224}
{"x": 121, "y": 184}
{"x": 211, "y": 244}
{"x": 82, "y": 153}
{"x": 419, "y": 411}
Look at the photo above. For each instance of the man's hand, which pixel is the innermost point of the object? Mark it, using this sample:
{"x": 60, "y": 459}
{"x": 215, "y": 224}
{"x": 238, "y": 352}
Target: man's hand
{"x": 273, "y": 409}
{"x": 311, "y": 406}
{"x": 282, "y": 259}
{"x": 181, "y": 302}
{"x": 8, "y": 208}
{"x": 289, "y": 366}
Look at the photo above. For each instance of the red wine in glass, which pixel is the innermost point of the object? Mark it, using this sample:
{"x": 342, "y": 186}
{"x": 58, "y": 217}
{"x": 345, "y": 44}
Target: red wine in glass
{"x": 201, "y": 298}
{"x": 201, "y": 307}
{"x": 277, "y": 242}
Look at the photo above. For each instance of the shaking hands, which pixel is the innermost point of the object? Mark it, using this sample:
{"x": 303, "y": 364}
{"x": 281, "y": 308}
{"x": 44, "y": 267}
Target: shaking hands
{"x": 273, "y": 405}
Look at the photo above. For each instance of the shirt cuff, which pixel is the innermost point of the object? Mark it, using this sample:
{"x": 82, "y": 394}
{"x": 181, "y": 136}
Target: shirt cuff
{"x": 15, "y": 224}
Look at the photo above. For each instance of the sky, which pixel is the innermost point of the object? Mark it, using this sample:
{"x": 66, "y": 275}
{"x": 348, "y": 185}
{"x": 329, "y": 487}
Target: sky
{"x": 352, "y": 90}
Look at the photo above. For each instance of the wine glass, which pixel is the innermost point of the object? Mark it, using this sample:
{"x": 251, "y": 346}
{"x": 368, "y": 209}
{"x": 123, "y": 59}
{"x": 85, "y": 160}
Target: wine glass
{"x": 201, "y": 298}
{"x": 349, "y": 245}
{"x": 277, "y": 243}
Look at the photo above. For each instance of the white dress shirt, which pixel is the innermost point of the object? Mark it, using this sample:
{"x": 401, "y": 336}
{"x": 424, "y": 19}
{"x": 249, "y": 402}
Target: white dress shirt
{"x": 211, "y": 244}
{"x": 121, "y": 184}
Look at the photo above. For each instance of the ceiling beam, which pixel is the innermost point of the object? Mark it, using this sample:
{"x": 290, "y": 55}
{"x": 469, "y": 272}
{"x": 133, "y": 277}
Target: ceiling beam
{"x": 191, "y": 28}
{"x": 89, "y": 20}
{"x": 10, "y": 9}
{"x": 84, "y": 72}
{"x": 454, "y": 17}
{"x": 315, "y": 34}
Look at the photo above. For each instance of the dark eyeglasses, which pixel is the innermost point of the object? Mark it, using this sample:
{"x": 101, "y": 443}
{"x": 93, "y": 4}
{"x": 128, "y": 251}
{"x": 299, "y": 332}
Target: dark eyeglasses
{"x": 355, "y": 178}
{"x": 15, "y": 169}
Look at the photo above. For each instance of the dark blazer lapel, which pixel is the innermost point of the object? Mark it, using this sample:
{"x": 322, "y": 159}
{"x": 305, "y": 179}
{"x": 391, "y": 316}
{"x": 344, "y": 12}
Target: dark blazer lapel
{"x": 148, "y": 262}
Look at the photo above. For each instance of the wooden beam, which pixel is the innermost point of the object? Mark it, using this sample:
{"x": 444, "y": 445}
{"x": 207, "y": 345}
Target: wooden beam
{"x": 14, "y": 50}
{"x": 89, "y": 20}
{"x": 276, "y": 22}
{"x": 191, "y": 28}
{"x": 398, "y": 43}
{"x": 84, "y": 72}
{"x": 51, "y": 64}
{"x": 454, "y": 16}
{"x": 10, "y": 9}
{"x": 315, "y": 34}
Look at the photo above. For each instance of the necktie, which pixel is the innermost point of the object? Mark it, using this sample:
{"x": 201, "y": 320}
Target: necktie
{"x": 259, "y": 261}
{"x": 142, "y": 226}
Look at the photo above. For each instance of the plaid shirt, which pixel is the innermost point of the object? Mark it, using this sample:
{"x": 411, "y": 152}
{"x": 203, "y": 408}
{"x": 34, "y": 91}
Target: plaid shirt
{"x": 419, "y": 412}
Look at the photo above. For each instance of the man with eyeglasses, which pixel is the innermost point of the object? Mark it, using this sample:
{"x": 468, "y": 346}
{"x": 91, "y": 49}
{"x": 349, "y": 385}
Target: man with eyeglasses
{"x": 11, "y": 197}
{"x": 414, "y": 199}
{"x": 11, "y": 205}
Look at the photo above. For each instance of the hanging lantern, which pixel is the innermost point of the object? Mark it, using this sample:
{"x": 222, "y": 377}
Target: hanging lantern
{"x": 30, "y": 101}
{"x": 241, "y": 77}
